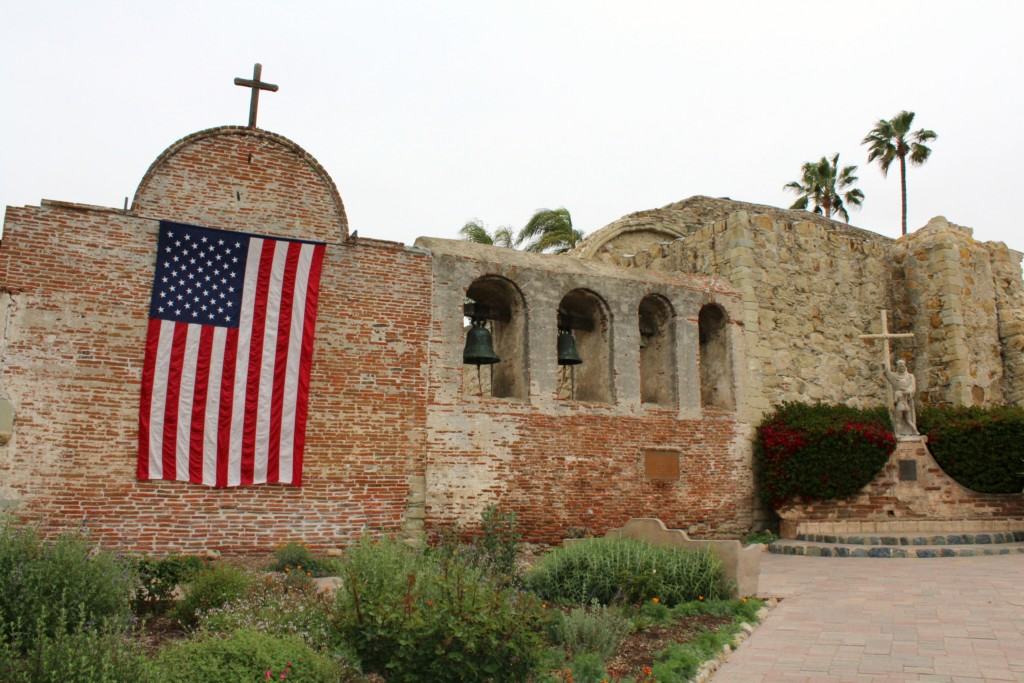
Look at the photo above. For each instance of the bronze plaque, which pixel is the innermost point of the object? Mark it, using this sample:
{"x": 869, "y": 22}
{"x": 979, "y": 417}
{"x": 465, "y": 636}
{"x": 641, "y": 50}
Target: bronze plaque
{"x": 908, "y": 470}
{"x": 661, "y": 465}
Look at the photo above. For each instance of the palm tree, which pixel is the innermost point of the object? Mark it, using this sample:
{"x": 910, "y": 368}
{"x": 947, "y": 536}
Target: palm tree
{"x": 549, "y": 230}
{"x": 892, "y": 139}
{"x": 830, "y": 188}
{"x": 474, "y": 231}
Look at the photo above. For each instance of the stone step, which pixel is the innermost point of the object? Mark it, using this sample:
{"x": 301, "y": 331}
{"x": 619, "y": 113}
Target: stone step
{"x": 814, "y": 549}
{"x": 918, "y": 538}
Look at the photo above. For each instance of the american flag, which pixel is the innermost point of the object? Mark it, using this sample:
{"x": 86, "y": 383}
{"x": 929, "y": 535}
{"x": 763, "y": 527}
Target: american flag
{"x": 225, "y": 384}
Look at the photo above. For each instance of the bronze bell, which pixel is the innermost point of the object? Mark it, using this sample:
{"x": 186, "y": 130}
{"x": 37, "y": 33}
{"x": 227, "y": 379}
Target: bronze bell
{"x": 567, "y": 353}
{"x": 479, "y": 349}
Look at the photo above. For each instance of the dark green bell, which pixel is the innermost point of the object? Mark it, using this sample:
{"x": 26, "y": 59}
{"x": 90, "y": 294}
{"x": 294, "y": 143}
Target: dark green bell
{"x": 479, "y": 349}
{"x": 567, "y": 353}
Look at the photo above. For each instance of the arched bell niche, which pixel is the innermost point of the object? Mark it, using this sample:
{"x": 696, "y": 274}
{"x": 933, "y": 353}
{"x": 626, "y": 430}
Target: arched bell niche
{"x": 715, "y": 360}
{"x": 657, "y": 351}
{"x": 500, "y": 304}
{"x": 587, "y": 317}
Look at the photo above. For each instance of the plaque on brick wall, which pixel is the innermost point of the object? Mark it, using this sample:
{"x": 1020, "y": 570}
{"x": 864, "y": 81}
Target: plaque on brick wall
{"x": 660, "y": 465}
{"x": 908, "y": 470}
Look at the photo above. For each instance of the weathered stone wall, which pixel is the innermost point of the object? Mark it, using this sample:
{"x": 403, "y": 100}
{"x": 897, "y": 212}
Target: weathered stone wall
{"x": 810, "y": 288}
{"x": 560, "y": 463}
{"x": 946, "y": 290}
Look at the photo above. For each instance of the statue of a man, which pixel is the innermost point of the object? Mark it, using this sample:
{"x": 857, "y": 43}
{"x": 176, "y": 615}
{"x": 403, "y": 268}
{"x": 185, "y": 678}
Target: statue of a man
{"x": 904, "y": 386}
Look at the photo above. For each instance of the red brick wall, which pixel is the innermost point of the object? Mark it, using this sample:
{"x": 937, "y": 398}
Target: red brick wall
{"x": 585, "y": 469}
{"x": 71, "y": 364}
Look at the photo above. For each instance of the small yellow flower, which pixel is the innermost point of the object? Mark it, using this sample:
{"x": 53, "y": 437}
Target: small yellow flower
{"x": 656, "y": 600}
{"x": 700, "y": 597}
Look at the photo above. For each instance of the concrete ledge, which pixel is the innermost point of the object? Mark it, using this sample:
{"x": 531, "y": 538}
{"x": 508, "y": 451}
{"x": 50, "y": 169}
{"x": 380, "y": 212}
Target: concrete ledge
{"x": 742, "y": 565}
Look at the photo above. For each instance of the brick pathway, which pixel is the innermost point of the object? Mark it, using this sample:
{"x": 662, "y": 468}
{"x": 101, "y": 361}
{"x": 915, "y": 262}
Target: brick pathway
{"x": 943, "y": 620}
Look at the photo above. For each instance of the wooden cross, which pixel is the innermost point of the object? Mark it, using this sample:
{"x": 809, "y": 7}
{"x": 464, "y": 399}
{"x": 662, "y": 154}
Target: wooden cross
{"x": 885, "y": 337}
{"x": 256, "y": 84}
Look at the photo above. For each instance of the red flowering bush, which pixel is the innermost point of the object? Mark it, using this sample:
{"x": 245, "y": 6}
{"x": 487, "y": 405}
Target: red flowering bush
{"x": 820, "y": 452}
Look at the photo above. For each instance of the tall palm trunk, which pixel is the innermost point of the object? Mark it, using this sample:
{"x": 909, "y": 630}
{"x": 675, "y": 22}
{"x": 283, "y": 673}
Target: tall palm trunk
{"x": 903, "y": 190}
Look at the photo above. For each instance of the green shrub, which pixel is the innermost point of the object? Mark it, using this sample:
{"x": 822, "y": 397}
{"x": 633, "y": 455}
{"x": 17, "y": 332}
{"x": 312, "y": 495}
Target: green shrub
{"x": 247, "y": 655}
{"x": 982, "y": 448}
{"x": 497, "y": 547}
{"x": 820, "y": 452}
{"x": 680, "y": 661}
{"x": 595, "y": 629}
{"x": 415, "y": 617}
{"x": 297, "y": 557}
{"x": 70, "y": 655}
{"x": 588, "y": 667}
{"x": 158, "y": 577}
{"x": 213, "y": 587}
{"x": 47, "y": 588}
{"x": 275, "y": 607}
{"x": 612, "y": 570}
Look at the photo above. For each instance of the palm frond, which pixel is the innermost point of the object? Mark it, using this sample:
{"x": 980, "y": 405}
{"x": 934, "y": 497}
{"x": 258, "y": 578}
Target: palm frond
{"x": 474, "y": 231}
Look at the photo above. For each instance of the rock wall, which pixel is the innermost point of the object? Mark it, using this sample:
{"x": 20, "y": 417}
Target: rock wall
{"x": 810, "y": 288}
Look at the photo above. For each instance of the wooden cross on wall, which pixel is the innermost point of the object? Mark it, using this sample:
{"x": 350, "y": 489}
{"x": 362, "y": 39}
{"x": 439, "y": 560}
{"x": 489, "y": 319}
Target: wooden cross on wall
{"x": 256, "y": 84}
{"x": 885, "y": 336}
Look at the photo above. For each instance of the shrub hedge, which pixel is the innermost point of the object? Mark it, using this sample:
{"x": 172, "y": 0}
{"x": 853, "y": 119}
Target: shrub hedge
{"x": 413, "y": 617}
{"x": 982, "y": 448}
{"x": 51, "y": 588}
{"x": 625, "y": 570}
{"x": 820, "y": 451}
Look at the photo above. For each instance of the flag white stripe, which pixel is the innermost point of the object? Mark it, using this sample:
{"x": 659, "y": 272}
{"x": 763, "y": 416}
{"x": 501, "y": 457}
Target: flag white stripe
{"x": 157, "y": 405}
{"x": 212, "y": 418}
{"x": 266, "y": 386}
{"x": 252, "y": 270}
{"x": 183, "y": 433}
{"x": 291, "y": 378}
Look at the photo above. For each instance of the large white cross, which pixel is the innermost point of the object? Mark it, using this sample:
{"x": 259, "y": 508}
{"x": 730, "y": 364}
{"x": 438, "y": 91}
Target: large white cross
{"x": 886, "y": 336}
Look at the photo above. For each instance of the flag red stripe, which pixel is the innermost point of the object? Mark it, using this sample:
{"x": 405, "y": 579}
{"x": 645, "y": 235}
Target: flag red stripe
{"x": 227, "y": 389}
{"x": 306, "y": 362}
{"x": 170, "y": 440}
{"x": 146, "y": 401}
{"x": 284, "y": 326}
{"x": 252, "y": 389}
{"x": 198, "y": 426}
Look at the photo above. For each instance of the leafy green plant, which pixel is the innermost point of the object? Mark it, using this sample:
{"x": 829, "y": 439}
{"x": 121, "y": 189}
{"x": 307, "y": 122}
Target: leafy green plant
{"x": 274, "y": 606}
{"x": 50, "y": 588}
{"x": 819, "y": 451}
{"x": 158, "y": 577}
{"x": 763, "y": 536}
{"x": 95, "y": 654}
{"x": 297, "y": 557}
{"x": 213, "y": 587}
{"x": 247, "y": 655}
{"x": 497, "y": 547}
{"x": 981, "y": 448}
{"x": 611, "y": 570}
{"x": 596, "y": 629}
{"x": 416, "y": 617}
{"x": 588, "y": 667}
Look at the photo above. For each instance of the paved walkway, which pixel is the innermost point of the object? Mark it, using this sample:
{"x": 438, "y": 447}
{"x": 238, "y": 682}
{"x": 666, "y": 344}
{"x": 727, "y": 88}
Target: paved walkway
{"x": 943, "y": 620}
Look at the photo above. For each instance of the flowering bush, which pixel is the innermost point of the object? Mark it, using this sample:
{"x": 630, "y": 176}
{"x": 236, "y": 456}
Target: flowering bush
{"x": 276, "y": 607}
{"x": 211, "y": 588}
{"x": 982, "y": 448}
{"x": 820, "y": 451}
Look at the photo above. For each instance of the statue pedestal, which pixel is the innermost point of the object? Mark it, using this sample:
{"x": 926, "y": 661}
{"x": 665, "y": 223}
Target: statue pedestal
{"x": 911, "y": 493}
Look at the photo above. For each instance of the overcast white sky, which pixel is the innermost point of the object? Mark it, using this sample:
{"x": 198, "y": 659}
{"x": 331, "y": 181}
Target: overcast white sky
{"x": 429, "y": 114}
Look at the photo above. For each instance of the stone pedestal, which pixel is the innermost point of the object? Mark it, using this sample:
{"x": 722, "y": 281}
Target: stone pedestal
{"x": 911, "y": 493}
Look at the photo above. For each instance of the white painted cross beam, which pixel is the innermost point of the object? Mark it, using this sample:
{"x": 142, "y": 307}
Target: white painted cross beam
{"x": 885, "y": 336}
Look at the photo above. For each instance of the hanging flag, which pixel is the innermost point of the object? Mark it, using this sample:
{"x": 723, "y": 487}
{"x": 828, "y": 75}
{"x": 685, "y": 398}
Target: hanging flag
{"x": 225, "y": 384}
